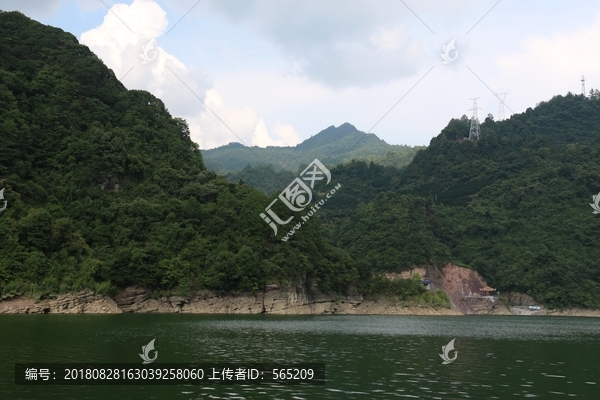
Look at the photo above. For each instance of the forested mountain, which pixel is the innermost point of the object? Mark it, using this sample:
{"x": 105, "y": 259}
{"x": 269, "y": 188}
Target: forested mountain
{"x": 331, "y": 146}
{"x": 105, "y": 188}
{"x": 325, "y": 145}
{"x": 513, "y": 205}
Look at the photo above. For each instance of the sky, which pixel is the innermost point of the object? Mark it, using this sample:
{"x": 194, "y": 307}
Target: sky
{"x": 276, "y": 72}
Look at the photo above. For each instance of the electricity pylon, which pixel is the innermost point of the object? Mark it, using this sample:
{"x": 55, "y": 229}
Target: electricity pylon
{"x": 474, "y": 131}
{"x": 501, "y": 97}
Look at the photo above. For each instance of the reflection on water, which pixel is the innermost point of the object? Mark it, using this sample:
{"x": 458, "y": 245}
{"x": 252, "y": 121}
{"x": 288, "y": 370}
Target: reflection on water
{"x": 366, "y": 356}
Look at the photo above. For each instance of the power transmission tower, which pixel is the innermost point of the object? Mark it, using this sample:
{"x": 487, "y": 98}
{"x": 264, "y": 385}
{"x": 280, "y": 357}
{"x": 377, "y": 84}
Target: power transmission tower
{"x": 583, "y": 85}
{"x": 501, "y": 106}
{"x": 474, "y": 131}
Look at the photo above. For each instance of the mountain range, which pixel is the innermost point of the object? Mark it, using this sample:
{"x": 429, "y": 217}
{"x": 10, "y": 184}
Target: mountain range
{"x": 105, "y": 189}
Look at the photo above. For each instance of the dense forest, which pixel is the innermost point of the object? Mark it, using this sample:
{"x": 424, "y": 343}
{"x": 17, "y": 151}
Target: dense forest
{"x": 106, "y": 189}
{"x": 513, "y": 205}
{"x": 382, "y": 168}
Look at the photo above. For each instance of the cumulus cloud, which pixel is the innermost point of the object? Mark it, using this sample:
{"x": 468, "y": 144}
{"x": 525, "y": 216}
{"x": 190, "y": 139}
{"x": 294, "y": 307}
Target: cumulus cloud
{"x": 125, "y": 27}
{"x": 209, "y": 132}
{"x": 286, "y": 135}
{"x": 241, "y": 125}
{"x": 128, "y": 41}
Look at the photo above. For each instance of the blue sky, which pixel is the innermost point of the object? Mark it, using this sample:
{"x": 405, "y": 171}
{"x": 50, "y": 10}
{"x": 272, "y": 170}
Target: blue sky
{"x": 276, "y": 72}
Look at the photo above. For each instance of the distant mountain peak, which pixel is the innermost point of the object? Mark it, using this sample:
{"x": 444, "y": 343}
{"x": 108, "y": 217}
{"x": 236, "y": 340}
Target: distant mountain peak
{"x": 330, "y": 135}
{"x": 332, "y": 145}
{"x": 344, "y": 128}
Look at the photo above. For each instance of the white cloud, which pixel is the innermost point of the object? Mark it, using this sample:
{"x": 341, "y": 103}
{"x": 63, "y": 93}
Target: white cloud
{"x": 210, "y": 131}
{"x": 120, "y": 40}
{"x": 286, "y": 135}
{"x": 261, "y": 135}
{"x": 125, "y": 29}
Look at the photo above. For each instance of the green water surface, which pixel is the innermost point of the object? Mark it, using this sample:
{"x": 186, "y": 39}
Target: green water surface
{"x": 366, "y": 357}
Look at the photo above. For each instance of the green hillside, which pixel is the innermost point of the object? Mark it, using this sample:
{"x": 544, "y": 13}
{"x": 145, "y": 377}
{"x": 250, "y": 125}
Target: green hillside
{"x": 513, "y": 205}
{"x": 264, "y": 177}
{"x": 105, "y": 188}
{"x": 331, "y": 146}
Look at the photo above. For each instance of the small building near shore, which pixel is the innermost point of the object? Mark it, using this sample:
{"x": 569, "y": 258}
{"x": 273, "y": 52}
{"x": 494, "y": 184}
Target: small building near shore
{"x": 487, "y": 291}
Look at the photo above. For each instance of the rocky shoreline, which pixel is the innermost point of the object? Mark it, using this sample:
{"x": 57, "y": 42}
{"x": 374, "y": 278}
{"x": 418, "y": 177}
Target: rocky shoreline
{"x": 291, "y": 302}
{"x": 138, "y": 300}
{"x": 454, "y": 280}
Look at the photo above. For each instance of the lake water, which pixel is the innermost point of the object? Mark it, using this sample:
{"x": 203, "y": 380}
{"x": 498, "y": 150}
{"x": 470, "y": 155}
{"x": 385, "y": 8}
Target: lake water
{"x": 366, "y": 357}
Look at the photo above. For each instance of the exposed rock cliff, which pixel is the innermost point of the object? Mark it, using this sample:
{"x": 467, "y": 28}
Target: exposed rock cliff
{"x": 85, "y": 302}
{"x": 458, "y": 283}
{"x": 292, "y": 301}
